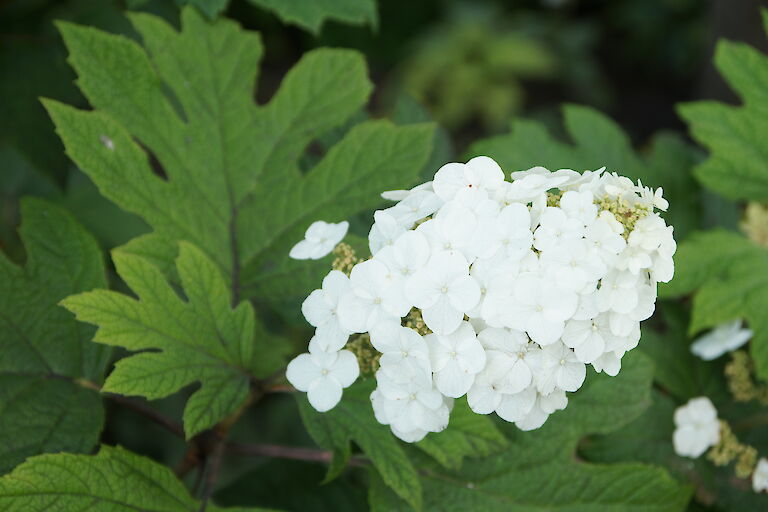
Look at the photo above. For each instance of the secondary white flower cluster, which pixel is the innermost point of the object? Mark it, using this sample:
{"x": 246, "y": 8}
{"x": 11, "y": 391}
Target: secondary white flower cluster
{"x": 520, "y": 285}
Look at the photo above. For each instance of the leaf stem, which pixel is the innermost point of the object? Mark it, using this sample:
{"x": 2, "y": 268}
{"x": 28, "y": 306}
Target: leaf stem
{"x": 289, "y": 452}
{"x": 148, "y": 412}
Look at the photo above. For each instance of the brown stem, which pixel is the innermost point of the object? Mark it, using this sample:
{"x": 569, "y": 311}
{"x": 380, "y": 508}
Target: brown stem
{"x": 148, "y": 413}
{"x": 213, "y": 459}
{"x": 289, "y": 452}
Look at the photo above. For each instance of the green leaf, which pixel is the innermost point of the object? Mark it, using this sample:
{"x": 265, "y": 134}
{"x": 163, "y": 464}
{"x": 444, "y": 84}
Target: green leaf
{"x": 648, "y": 439}
{"x": 676, "y": 369}
{"x": 468, "y": 435}
{"x": 353, "y": 421}
{"x": 538, "y": 470}
{"x": 42, "y": 414}
{"x": 43, "y": 350}
{"x": 211, "y": 8}
{"x": 312, "y": 14}
{"x": 730, "y": 275}
{"x": 201, "y": 339}
{"x": 598, "y": 142}
{"x": 737, "y": 167}
{"x": 230, "y": 182}
{"x": 114, "y": 480}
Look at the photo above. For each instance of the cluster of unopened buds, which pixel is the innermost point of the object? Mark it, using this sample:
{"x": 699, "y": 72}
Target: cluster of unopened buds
{"x": 503, "y": 291}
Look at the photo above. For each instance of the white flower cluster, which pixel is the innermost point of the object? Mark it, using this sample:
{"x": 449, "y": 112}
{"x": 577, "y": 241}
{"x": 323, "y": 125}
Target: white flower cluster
{"x": 520, "y": 284}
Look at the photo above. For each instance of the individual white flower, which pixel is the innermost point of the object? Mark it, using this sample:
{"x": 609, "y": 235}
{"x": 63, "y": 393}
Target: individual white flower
{"x": 588, "y": 180}
{"x": 479, "y": 174}
{"x": 555, "y": 228}
{"x": 574, "y": 265}
{"x": 512, "y": 231}
{"x": 760, "y": 476}
{"x": 648, "y": 233}
{"x": 559, "y": 368}
{"x": 522, "y": 356}
{"x": 323, "y": 375}
{"x": 720, "y": 340}
{"x": 373, "y": 297}
{"x": 696, "y": 427}
{"x": 319, "y": 240}
{"x": 444, "y": 291}
{"x": 320, "y": 309}
{"x": 384, "y": 232}
{"x": 416, "y": 207}
{"x": 491, "y": 383}
{"x": 407, "y": 255}
{"x": 488, "y": 273}
{"x": 402, "y": 350}
{"x": 410, "y": 405}
{"x": 452, "y": 229}
{"x": 517, "y": 406}
{"x": 588, "y": 338}
{"x": 618, "y": 292}
{"x": 539, "y": 307}
{"x": 579, "y": 205}
{"x": 456, "y": 359}
{"x": 604, "y": 234}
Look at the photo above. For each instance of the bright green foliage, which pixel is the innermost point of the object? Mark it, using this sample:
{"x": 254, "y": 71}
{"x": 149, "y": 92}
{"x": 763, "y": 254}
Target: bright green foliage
{"x": 233, "y": 187}
{"x": 353, "y": 421}
{"x": 114, "y": 480}
{"x": 311, "y": 14}
{"x": 201, "y": 339}
{"x": 598, "y": 142}
{"x": 729, "y": 274}
{"x": 469, "y": 435}
{"x": 735, "y": 135}
{"x": 538, "y": 471}
{"x": 43, "y": 350}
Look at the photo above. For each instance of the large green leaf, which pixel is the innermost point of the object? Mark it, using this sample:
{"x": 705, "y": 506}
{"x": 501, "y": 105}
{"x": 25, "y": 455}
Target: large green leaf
{"x": 538, "y": 471}
{"x": 598, "y": 142}
{"x": 201, "y": 339}
{"x": 229, "y": 176}
{"x": 114, "y": 480}
{"x": 311, "y": 14}
{"x": 735, "y": 135}
{"x": 729, "y": 274}
{"x": 43, "y": 350}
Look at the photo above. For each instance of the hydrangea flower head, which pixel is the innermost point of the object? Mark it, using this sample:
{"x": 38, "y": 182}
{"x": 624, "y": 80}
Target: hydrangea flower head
{"x": 500, "y": 291}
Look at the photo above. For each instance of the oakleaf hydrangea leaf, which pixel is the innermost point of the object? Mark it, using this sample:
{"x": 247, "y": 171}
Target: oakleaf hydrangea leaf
{"x": 728, "y": 274}
{"x": 469, "y": 435}
{"x": 538, "y": 470}
{"x": 737, "y": 166}
{"x": 598, "y": 141}
{"x": 200, "y": 339}
{"x": 43, "y": 350}
{"x": 114, "y": 480}
{"x": 231, "y": 181}
{"x": 311, "y": 14}
{"x": 353, "y": 421}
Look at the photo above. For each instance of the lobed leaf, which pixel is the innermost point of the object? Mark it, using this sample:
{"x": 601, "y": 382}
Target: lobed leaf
{"x": 114, "y": 480}
{"x": 200, "y": 339}
{"x": 43, "y": 350}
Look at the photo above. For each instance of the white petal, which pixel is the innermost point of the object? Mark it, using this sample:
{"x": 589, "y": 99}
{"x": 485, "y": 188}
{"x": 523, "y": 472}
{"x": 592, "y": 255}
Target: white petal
{"x": 324, "y": 393}
{"x": 302, "y": 371}
{"x": 346, "y": 370}
{"x": 442, "y": 317}
{"x": 452, "y": 381}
